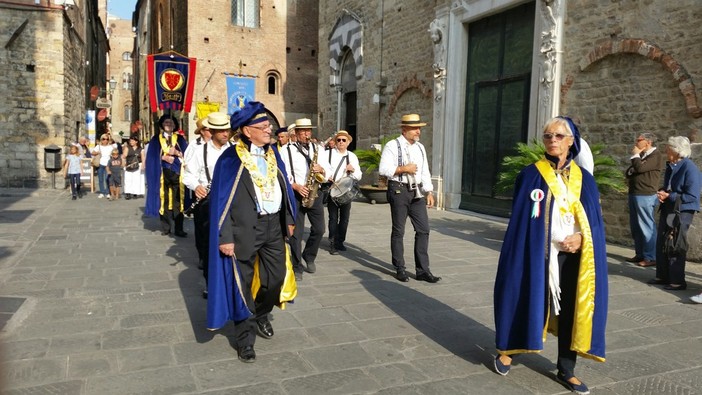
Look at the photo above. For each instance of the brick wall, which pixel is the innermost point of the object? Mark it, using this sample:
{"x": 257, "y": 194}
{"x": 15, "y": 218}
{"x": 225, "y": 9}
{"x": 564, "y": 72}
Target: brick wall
{"x": 631, "y": 67}
{"x": 396, "y": 36}
{"x": 284, "y": 44}
{"x": 43, "y": 95}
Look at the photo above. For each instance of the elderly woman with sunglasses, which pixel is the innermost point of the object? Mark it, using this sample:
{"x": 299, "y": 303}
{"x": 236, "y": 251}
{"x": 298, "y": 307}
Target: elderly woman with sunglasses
{"x": 681, "y": 185}
{"x": 105, "y": 150}
{"x": 552, "y": 271}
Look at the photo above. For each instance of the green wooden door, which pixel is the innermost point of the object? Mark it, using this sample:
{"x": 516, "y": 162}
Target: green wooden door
{"x": 497, "y": 103}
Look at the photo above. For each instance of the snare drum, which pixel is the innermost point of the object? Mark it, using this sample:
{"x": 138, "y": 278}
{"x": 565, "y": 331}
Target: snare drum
{"x": 344, "y": 191}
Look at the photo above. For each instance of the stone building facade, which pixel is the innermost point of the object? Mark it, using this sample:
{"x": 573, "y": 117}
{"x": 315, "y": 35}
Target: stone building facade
{"x": 619, "y": 68}
{"x": 120, "y": 69}
{"x": 50, "y": 55}
{"x": 278, "y": 50}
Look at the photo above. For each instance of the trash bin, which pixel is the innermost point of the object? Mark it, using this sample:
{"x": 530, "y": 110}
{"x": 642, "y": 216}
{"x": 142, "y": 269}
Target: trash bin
{"x": 52, "y": 161}
{"x": 52, "y": 157}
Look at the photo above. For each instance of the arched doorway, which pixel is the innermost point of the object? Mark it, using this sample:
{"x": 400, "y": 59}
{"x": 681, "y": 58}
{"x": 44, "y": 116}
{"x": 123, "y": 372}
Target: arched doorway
{"x": 348, "y": 96}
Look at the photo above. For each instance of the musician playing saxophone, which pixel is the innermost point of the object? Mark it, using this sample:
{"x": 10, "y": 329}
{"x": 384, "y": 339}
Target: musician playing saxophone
{"x": 410, "y": 191}
{"x": 299, "y": 158}
{"x": 200, "y": 160}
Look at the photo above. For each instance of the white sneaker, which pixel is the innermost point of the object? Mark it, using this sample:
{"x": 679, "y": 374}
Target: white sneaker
{"x": 100, "y": 196}
{"x": 696, "y": 298}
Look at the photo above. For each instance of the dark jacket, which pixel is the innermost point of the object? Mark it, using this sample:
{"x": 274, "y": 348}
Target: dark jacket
{"x": 683, "y": 179}
{"x": 644, "y": 175}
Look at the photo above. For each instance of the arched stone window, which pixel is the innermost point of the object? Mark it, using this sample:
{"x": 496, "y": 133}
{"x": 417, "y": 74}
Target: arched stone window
{"x": 273, "y": 83}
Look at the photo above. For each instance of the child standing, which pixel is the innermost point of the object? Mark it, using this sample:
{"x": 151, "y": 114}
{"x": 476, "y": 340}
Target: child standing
{"x": 114, "y": 170}
{"x": 72, "y": 170}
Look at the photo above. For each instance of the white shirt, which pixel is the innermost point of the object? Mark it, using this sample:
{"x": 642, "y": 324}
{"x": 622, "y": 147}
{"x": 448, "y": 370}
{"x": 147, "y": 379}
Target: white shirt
{"x": 194, "y": 159}
{"x": 274, "y": 199}
{"x": 297, "y": 169}
{"x": 338, "y": 164}
{"x": 410, "y": 153}
{"x": 105, "y": 152}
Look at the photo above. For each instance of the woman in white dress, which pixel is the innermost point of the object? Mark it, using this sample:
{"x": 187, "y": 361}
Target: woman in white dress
{"x": 134, "y": 169}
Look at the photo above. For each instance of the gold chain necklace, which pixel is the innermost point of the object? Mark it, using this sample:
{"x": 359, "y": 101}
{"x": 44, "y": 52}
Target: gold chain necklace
{"x": 250, "y": 165}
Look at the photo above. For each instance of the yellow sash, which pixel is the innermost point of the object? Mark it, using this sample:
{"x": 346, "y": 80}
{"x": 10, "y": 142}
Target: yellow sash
{"x": 288, "y": 291}
{"x": 585, "y": 294}
{"x": 181, "y": 190}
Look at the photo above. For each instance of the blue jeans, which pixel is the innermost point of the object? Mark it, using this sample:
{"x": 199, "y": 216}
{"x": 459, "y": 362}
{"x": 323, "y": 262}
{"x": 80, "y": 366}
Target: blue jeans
{"x": 102, "y": 179}
{"x": 643, "y": 225}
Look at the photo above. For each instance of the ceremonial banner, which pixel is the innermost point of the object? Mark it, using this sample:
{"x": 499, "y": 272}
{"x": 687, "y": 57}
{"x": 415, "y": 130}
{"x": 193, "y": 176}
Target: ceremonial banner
{"x": 204, "y": 108}
{"x": 90, "y": 126}
{"x": 239, "y": 91}
{"x": 171, "y": 81}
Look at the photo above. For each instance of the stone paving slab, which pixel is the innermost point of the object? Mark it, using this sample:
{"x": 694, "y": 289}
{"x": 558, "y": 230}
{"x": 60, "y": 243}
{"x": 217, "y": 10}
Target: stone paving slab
{"x": 113, "y": 307}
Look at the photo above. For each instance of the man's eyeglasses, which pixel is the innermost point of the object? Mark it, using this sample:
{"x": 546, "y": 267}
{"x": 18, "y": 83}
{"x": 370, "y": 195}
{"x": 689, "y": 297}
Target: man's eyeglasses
{"x": 557, "y": 136}
{"x": 340, "y": 140}
{"x": 267, "y": 127}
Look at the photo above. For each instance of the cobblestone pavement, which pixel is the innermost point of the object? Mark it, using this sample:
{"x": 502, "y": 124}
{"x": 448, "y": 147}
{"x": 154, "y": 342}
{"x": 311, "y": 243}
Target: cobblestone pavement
{"x": 95, "y": 301}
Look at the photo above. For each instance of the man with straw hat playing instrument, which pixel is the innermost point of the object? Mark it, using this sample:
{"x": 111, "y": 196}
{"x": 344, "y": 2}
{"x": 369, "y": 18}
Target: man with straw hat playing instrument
{"x": 410, "y": 191}
{"x": 200, "y": 160}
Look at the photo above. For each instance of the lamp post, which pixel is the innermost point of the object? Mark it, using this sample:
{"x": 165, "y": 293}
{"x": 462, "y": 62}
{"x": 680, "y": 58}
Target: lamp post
{"x": 113, "y": 84}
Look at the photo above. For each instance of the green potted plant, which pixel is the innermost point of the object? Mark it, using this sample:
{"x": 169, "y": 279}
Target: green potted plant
{"x": 608, "y": 176}
{"x": 369, "y": 159}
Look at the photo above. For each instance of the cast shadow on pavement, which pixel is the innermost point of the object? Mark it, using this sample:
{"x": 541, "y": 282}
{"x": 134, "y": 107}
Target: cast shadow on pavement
{"x": 191, "y": 283}
{"x": 486, "y": 234}
{"x": 456, "y": 332}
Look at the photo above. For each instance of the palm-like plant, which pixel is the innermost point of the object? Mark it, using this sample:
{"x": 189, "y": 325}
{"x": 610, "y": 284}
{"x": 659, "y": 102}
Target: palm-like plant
{"x": 369, "y": 159}
{"x": 607, "y": 175}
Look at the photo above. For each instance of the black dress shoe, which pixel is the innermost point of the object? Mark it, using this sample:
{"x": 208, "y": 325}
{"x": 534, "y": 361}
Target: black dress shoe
{"x": 340, "y": 248}
{"x": 247, "y": 354}
{"x": 264, "y": 328}
{"x": 428, "y": 277}
{"x": 676, "y": 287}
{"x": 656, "y": 281}
{"x": 402, "y": 276}
{"x": 181, "y": 234}
{"x": 634, "y": 259}
{"x": 333, "y": 251}
{"x": 311, "y": 267}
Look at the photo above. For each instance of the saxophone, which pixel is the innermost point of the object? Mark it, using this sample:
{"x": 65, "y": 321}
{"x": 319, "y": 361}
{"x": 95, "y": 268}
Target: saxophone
{"x": 312, "y": 183}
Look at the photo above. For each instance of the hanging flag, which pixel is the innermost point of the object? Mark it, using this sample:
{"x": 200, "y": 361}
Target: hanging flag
{"x": 204, "y": 108}
{"x": 171, "y": 81}
{"x": 240, "y": 90}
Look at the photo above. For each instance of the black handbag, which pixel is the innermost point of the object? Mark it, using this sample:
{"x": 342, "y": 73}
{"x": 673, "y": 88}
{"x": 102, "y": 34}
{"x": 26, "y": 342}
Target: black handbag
{"x": 675, "y": 237}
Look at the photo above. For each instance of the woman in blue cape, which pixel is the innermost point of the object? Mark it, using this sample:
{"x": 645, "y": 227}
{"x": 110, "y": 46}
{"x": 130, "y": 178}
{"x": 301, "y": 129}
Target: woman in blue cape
{"x": 552, "y": 271}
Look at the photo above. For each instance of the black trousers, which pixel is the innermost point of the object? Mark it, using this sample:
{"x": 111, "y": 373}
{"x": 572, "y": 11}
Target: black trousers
{"x": 338, "y": 222}
{"x": 171, "y": 193}
{"x": 569, "y": 265}
{"x": 270, "y": 247}
{"x": 403, "y": 205}
{"x": 316, "y": 217}
{"x": 201, "y": 218}
{"x": 671, "y": 268}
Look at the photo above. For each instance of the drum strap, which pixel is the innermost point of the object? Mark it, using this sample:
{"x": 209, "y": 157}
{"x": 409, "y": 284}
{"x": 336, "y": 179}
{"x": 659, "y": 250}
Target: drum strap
{"x": 399, "y": 155}
{"x": 339, "y": 166}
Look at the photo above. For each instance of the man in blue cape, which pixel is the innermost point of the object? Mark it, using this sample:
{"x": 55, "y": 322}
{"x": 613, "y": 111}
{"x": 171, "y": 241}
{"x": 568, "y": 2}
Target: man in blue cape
{"x": 165, "y": 196}
{"x": 524, "y": 303}
{"x": 252, "y": 212}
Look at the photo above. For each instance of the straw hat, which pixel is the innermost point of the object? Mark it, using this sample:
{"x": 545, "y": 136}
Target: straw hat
{"x": 411, "y": 120}
{"x": 303, "y": 123}
{"x": 344, "y": 134}
{"x": 217, "y": 120}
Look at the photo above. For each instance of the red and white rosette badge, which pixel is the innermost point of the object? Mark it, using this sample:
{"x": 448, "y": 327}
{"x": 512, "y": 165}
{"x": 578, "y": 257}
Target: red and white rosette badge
{"x": 537, "y": 195}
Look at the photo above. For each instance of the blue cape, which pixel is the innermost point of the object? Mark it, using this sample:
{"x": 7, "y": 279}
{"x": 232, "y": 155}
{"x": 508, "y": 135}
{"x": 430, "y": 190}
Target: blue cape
{"x": 225, "y": 301}
{"x": 153, "y": 175}
{"x": 521, "y": 287}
